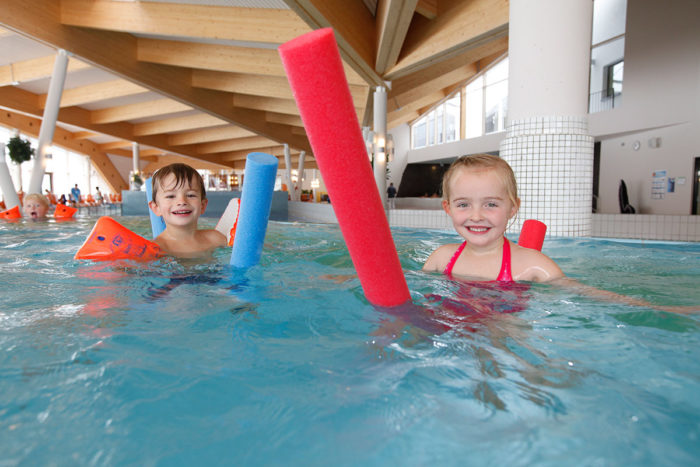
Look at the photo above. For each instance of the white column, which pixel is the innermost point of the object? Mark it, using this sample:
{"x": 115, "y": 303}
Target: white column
{"x": 135, "y": 158}
{"x": 136, "y": 165}
{"x": 300, "y": 175}
{"x": 6, "y": 185}
{"x": 288, "y": 171}
{"x": 380, "y": 141}
{"x": 547, "y": 141}
{"x": 48, "y": 122}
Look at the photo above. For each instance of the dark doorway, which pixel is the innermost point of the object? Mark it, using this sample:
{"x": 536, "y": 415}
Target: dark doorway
{"x": 696, "y": 187}
{"x": 422, "y": 180}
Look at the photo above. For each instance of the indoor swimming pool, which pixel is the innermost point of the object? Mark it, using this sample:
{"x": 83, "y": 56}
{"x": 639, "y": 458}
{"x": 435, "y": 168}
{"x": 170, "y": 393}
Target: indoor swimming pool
{"x": 288, "y": 364}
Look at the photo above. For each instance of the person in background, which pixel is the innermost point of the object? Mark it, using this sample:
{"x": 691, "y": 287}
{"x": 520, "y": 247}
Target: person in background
{"x": 99, "y": 199}
{"x": 391, "y": 194}
{"x": 62, "y": 200}
{"x": 75, "y": 195}
{"x": 51, "y": 197}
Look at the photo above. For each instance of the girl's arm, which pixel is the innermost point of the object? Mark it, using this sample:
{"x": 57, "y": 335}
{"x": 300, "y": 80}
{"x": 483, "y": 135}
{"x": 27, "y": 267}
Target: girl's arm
{"x": 608, "y": 296}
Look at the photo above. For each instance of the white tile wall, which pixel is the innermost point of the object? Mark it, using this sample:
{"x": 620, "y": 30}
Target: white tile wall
{"x": 552, "y": 158}
{"x": 634, "y": 226}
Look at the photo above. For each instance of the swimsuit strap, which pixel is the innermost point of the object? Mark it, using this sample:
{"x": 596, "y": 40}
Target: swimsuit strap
{"x": 453, "y": 260}
{"x": 505, "y": 274}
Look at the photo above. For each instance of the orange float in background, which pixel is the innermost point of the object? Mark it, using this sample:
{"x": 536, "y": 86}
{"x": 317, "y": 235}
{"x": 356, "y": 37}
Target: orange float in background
{"x": 64, "y": 212}
{"x": 109, "y": 240}
{"x": 12, "y": 213}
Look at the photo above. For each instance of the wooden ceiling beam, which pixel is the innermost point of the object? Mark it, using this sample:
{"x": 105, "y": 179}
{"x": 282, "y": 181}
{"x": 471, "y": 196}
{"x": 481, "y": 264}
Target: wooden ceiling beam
{"x": 175, "y": 124}
{"x": 413, "y": 80}
{"x": 155, "y": 108}
{"x": 239, "y": 144}
{"x": 396, "y": 101}
{"x": 66, "y": 140}
{"x": 214, "y": 57}
{"x": 392, "y": 21}
{"x": 260, "y": 85}
{"x": 208, "y": 135}
{"x": 354, "y": 28}
{"x": 34, "y": 69}
{"x": 115, "y": 145}
{"x": 40, "y": 19}
{"x": 427, "y": 8}
{"x": 267, "y": 104}
{"x": 284, "y": 119}
{"x": 463, "y": 26}
{"x": 274, "y": 26}
{"x": 18, "y": 100}
{"x": 96, "y": 92}
{"x": 426, "y": 101}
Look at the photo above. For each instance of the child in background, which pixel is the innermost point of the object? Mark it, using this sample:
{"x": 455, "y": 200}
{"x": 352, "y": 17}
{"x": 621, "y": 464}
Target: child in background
{"x": 480, "y": 196}
{"x": 35, "y": 206}
{"x": 180, "y": 198}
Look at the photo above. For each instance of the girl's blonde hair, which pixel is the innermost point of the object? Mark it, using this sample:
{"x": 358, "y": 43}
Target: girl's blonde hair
{"x": 43, "y": 200}
{"x": 483, "y": 162}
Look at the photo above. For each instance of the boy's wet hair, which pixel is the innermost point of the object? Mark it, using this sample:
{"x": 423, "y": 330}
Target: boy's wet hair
{"x": 483, "y": 162}
{"x": 37, "y": 197}
{"x": 183, "y": 174}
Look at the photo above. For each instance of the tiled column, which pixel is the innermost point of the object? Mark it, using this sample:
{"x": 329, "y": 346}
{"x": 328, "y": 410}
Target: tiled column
{"x": 547, "y": 141}
{"x": 552, "y": 158}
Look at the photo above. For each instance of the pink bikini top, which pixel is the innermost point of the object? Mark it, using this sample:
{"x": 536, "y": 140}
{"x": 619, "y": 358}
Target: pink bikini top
{"x": 504, "y": 275}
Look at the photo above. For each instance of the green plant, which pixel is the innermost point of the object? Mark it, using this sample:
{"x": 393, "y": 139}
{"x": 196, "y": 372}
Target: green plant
{"x": 136, "y": 178}
{"x": 20, "y": 149}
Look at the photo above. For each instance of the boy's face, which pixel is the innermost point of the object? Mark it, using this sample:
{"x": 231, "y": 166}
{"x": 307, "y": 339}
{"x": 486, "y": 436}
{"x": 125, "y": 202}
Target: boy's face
{"x": 33, "y": 209}
{"x": 179, "y": 206}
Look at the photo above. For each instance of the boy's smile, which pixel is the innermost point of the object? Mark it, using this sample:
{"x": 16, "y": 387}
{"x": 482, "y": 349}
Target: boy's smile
{"x": 179, "y": 205}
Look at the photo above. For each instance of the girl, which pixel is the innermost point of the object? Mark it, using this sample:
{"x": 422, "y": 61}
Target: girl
{"x": 481, "y": 196}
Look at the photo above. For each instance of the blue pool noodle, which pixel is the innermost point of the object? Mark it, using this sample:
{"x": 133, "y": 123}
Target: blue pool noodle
{"x": 256, "y": 200}
{"x": 157, "y": 222}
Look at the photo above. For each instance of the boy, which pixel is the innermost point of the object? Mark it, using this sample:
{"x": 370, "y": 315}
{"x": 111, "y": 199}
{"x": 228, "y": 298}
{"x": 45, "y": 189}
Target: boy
{"x": 35, "y": 206}
{"x": 179, "y": 197}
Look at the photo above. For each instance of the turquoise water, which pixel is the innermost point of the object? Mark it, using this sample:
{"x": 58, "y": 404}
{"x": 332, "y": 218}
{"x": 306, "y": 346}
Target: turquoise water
{"x": 182, "y": 364}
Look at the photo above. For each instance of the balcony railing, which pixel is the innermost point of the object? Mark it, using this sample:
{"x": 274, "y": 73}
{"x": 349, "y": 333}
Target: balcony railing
{"x": 603, "y": 100}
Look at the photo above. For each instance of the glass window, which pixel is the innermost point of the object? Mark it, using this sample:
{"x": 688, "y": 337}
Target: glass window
{"x": 418, "y": 131}
{"x": 452, "y": 112}
{"x": 474, "y": 101}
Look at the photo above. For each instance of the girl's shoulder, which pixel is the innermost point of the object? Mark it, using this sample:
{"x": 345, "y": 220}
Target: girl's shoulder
{"x": 533, "y": 265}
{"x": 439, "y": 258}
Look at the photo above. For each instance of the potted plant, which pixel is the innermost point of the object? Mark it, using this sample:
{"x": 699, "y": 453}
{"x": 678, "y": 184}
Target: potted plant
{"x": 20, "y": 150}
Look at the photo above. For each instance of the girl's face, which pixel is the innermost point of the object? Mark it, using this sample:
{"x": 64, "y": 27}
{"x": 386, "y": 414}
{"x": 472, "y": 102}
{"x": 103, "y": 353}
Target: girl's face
{"x": 180, "y": 206}
{"x": 33, "y": 209}
{"x": 479, "y": 206}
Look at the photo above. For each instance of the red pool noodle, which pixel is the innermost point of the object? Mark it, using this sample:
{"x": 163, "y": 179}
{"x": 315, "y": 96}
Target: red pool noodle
{"x": 316, "y": 75}
{"x": 532, "y": 234}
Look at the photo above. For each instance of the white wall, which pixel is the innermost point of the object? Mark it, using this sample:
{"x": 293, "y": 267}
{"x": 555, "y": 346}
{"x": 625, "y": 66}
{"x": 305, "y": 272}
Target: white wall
{"x": 661, "y": 98}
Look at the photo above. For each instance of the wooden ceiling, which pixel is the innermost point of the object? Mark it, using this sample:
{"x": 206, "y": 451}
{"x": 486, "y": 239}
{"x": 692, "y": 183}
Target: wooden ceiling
{"x": 202, "y": 79}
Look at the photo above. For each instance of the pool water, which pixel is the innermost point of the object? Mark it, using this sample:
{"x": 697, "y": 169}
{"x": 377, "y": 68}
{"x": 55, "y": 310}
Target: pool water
{"x": 287, "y": 364}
